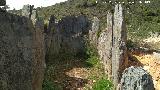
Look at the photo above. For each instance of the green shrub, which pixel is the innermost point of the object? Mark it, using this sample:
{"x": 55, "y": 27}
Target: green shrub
{"x": 103, "y": 84}
{"x": 48, "y": 85}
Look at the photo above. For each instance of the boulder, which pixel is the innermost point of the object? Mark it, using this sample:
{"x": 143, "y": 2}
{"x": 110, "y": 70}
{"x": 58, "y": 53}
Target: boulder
{"x": 136, "y": 78}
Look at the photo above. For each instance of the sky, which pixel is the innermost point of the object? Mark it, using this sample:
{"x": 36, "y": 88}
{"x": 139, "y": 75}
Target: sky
{"x": 18, "y": 4}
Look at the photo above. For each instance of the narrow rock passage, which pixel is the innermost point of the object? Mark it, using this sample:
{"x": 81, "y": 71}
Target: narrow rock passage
{"x": 73, "y": 73}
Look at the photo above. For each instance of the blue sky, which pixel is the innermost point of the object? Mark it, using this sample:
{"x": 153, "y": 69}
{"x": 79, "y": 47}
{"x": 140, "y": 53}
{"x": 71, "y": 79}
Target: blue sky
{"x": 18, "y": 4}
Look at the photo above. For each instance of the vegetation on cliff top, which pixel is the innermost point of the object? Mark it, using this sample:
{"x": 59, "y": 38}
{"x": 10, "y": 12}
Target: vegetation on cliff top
{"x": 141, "y": 18}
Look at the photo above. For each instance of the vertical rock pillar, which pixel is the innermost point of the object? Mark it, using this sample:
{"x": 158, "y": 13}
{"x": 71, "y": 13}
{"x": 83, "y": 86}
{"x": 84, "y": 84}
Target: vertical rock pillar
{"x": 109, "y": 45}
{"x": 105, "y": 46}
{"x": 39, "y": 59}
{"x": 119, "y": 50}
{"x": 38, "y": 46}
{"x": 93, "y": 32}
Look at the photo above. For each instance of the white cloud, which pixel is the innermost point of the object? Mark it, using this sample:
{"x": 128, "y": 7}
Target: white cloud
{"x": 18, "y": 4}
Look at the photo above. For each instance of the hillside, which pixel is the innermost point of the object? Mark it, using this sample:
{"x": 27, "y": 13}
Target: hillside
{"x": 141, "y": 18}
{"x": 82, "y": 45}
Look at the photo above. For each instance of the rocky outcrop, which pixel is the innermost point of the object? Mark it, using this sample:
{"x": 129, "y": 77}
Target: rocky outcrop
{"x": 21, "y": 53}
{"x": 105, "y": 46}
{"x": 119, "y": 50}
{"x": 93, "y": 33}
{"x": 52, "y": 38}
{"x": 39, "y": 55}
{"x": 2, "y": 2}
{"x": 112, "y": 45}
{"x": 67, "y": 36}
{"x": 136, "y": 78}
{"x": 16, "y": 52}
{"x": 38, "y": 46}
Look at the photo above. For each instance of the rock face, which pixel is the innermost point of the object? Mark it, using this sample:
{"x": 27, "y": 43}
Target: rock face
{"x": 136, "y": 78}
{"x": 119, "y": 50}
{"x": 22, "y": 56}
{"x": 93, "y": 32}
{"x": 16, "y": 52}
{"x": 52, "y": 38}
{"x": 105, "y": 46}
{"x": 67, "y": 35}
{"x": 2, "y": 2}
{"x": 112, "y": 45}
{"x": 39, "y": 58}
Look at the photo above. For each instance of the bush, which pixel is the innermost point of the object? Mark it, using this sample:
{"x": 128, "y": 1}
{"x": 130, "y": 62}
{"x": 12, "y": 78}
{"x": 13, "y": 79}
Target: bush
{"x": 48, "y": 85}
{"x": 103, "y": 84}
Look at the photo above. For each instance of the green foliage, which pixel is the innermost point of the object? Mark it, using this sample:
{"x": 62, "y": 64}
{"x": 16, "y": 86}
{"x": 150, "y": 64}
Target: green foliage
{"x": 48, "y": 85}
{"x": 103, "y": 84}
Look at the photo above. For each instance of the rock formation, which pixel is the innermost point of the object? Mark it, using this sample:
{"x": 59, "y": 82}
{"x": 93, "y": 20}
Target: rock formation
{"x": 52, "y": 38}
{"x": 93, "y": 33}
{"x": 39, "y": 52}
{"x": 136, "y": 78}
{"x": 2, "y": 2}
{"x": 16, "y": 52}
{"x": 105, "y": 46}
{"x": 119, "y": 50}
{"x": 21, "y": 53}
{"x": 67, "y": 36}
{"x": 112, "y": 45}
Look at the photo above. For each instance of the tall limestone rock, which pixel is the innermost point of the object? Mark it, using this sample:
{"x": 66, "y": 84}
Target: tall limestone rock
{"x": 105, "y": 46}
{"x": 66, "y": 36}
{"x": 72, "y": 30}
{"x": 119, "y": 50}
{"x": 136, "y": 78}
{"x": 21, "y": 53}
{"x": 93, "y": 36}
{"x": 52, "y": 38}
{"x": 16, "y": 52}
{"x": 39, "y": 55}
{"x": 38, "y": 46}
{"x": 2, "y": 2}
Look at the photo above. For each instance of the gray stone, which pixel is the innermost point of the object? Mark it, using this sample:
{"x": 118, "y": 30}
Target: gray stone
{"x": 21, "y": 53}
{"x": 39, "y": 52}
{"x": 105, "y": 46}
{"x": 67, "y": 35}
{"x": 119, "y": 50}
{"x": 93, "y": 36}
{"x": 136, "y": 78}
{"x": 16, "y": 53}
{"x": 27, "y": 10}
{"x": 2, "y": 2}
{"x": 52, "y": 38}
